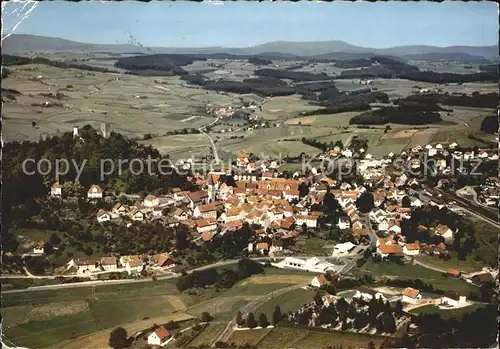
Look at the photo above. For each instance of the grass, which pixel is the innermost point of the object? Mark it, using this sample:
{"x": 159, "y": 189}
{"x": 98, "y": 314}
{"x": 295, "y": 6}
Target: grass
{"x": 290, "y": 301}
{"x": 243, "y": 337}
{"x": 409, "y": 271}
{"x": 446, "y": 313}
{"x": 286, "y": 337}
{"x": 208, "y": 335}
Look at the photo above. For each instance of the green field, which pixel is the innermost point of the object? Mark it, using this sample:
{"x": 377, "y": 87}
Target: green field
{"x": 408, "y": 271}
{"x": 290, "y": 301}
{"x": 287, "y": 337}
{"x": 446, "y": 313}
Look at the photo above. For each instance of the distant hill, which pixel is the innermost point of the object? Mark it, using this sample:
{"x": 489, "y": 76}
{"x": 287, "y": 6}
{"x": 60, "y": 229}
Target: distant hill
{"x": 438, "y": 57}
{"x": 19, "y": 43}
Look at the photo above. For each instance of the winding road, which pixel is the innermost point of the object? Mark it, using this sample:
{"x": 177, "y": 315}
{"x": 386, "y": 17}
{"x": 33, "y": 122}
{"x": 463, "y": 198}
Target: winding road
{"x": 212, "y": 143}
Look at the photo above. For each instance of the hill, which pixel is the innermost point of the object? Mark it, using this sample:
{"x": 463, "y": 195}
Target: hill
{"x": 23, "y": 42}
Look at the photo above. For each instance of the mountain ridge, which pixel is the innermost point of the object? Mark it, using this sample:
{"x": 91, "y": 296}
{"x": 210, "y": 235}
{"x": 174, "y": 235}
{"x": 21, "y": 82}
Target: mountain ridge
{"x": 18, "y": 43}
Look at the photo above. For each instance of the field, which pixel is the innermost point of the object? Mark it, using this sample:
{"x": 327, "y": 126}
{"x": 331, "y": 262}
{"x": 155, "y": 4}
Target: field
{"x": 60, "y": 316}
{"x": 290, "y": 301}
{"x": 287, "y": 337}
{"x": 417, "y": 272}
{"x": 208, "y": 335}
{"x": 446, "y": 313}
{"x": 136, "y": 106}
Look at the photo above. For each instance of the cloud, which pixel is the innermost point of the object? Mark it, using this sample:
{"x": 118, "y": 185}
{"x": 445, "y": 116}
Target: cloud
{"x": 214, "y": 2}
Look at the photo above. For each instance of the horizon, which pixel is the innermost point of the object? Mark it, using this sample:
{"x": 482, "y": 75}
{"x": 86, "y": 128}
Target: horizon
{"x": 238, "y": 24}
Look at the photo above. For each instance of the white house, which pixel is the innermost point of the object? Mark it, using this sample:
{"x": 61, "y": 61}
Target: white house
{"x": 410, "y": 295}
{"x": 344, "y": 223}
{"x": 95, "y": 192}
{"x": 103, "y": 216}
{"x": 136, "y": 215}
{"x": 108, "y": 263}
{"x": 206, "y": 225}
{"x": 394, "y": 228}
{"x": 151, "y": 201}
{"x": 453, "y": 299}
{"x": 319, "y": 280}
{"x": 444, "y": 231}
{"x": 290, "y": 195}
{"x": 383, "y": 225}
{"x": 38, "y": 248}
{"x": 119, "y": 209}
{"x": 343, "y": 248}
{"x": 415, "y": 202}
{"x": 159, "y": 336}
{"x": 347, "y": 153}
{"x": 132, "y": 263}
{"x": 412, "y": 249}
{"x": 313, "y": 264}
{"x": 84, "y": 266}
{"x": 367, "y": 294}
{"x": 309, "y": 220}
{"x": 205, "y": 211}
{"x": 56, "y": 190}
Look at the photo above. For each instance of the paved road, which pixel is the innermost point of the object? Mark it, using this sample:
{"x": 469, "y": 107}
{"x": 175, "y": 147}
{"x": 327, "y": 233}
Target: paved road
{"x": 250, "y": 307}
{"x": 212, "y": 143}
{"x": 365, "y": 218}
{"x": 132, "y": 281}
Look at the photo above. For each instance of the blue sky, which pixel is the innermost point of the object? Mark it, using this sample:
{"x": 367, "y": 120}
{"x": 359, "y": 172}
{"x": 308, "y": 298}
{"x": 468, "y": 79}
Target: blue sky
{"x": 241, "y": 24}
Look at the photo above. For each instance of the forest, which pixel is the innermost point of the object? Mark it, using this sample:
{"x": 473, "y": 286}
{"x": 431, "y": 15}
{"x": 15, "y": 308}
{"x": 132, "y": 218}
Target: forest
{"x": 490, "y": 124}
{"x": 476, "y": 100}
{"x": 407, "y": 115}
{"x": 292, "y": 75}
{"x": 259, "y": 61}
{"x": 11, "y": 60}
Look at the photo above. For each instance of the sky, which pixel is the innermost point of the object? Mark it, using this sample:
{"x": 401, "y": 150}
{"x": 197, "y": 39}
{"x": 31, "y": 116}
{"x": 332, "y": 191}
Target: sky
{"x": 243, "y": 24}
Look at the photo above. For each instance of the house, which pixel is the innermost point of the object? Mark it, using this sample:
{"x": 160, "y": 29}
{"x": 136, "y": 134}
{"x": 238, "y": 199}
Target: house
{"x": 95, "y": 192}
{"x": 454, "y": 272}
{"x": 290, "y": 195}
{"x": 347, "y": 153}
{"x": 415, "y": 202}
{"x": 453, "y": 299}
{"x": 482, "y": 278}
{"x": 162, "y": 260}
{"x": 136, "y": 215}
{"x": 157, "y": 212}
{"x": 103, "y": 216}
{"x": 344, "y": 223}
{"x": 119, "y": 209}
{"x": 132, "y": 263}
{"x": 180, "y": 214}
{"x": 108, "y": 263}
{"x": 410, "y": 295}
{"x": 206, "y": 225}
{"x": 319, "y": 280}
{"x": 158, "y": 336}
{"x": 384, "y": 225}
{"x": 411, "y": 249}
{"x": 262, "y": 247}
{"x": 85, "y": 266}
{"x": 367, "y": 294}
{"x": 38, "y": 248}
{"x": 206, "y": 211}
{"x": 444, "y": 231}
{"x": 277, "y": 246}
{"x": 309, "y": 220}
{"x": 343, "y": 248}
{"x": 312, "y": 264}
{"x": 386, "y": 247}
{"x": 197, "y": 198}
{"x": 56, "y": 190}
{"x": 151, "y": 201}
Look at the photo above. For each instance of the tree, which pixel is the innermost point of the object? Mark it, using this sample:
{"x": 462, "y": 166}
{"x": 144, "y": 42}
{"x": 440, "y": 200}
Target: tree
{"x": 276, "y": 315}
{"x": 206, "y": 317}
{"x": 317, "y": 299}
{"x": 263, "y": 320}
{"x": 54, "y": 239}
{"x": 399, "y": 308}
{"x": 405, "y": 202}
{"x": 89, "y": 251}
{"x": 118, "y": 338}
{"x": 303, "y": 189}
{"x": 239, "y": 319}
{"x": 371, "y": 345}
{"x": 33, "y": 124}
{"x": 251, "y": 323}
{"x": 365, "y": 202}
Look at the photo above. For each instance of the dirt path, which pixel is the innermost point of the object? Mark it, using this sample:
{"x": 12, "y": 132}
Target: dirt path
{"x": 176, "y": 302}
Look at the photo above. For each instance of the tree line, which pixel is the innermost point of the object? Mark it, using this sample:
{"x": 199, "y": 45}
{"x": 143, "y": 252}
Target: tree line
{"x": 405, "y": 114}
{"x": 11, "y": 60}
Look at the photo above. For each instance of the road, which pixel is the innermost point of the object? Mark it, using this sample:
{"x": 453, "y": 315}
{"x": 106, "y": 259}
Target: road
{"x": 212, "y": 143}
{"x": 365, "y": 218}
{"x": 132, "y": 281}
{"x": 250, "y": 307}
